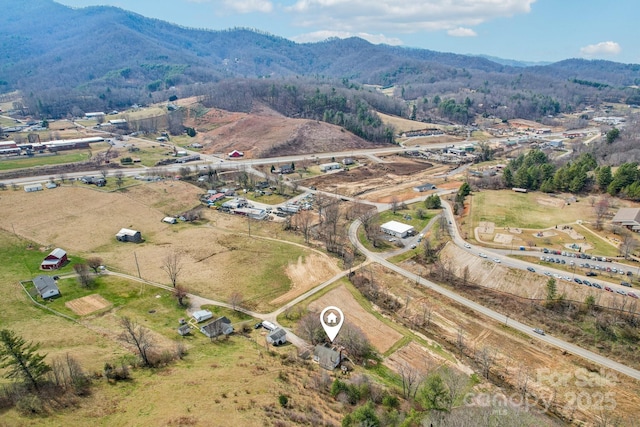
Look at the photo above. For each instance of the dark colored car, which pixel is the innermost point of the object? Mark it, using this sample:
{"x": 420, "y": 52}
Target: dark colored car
{"x": 591, "y": 273}
{"x": 257, "y": 325}
{"x": 627, "y": 284}
{"x": 531, "y": 269}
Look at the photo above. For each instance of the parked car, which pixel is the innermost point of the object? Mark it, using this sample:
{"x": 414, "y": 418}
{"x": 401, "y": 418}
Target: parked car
{"x": 257, "y": 325}
{"x": 608, "y": 289}
{"x": 531, "y": 269}
{"x": 538, "y": 331}
{"x": 591, "y": 273}
{"x": 621, "y": 292}
{"x": 496, "y": 260}
{"x": 578, "y": 281}
{"x": 413, "y": 246}
{"x": 632, "y": 295}
{"x": 482, "y": 255}
{"x": 546, "y": 273}
{"x": 468, "y": 246}
{"x": 627, "y": 284}
{"x": 597, "y": 285}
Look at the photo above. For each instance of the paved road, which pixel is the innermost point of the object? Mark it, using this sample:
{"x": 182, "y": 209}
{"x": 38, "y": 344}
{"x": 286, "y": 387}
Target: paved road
{"x": 526, "y": 329}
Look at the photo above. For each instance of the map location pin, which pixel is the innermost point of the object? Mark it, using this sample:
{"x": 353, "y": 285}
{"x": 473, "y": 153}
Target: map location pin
{"x": 332, "y": 322}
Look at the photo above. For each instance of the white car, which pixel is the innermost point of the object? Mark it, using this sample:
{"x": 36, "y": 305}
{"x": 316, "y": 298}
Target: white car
{"x": 496, "y": 260}
{"x": 482, "y": 255}
{"x": 468, "y": 246}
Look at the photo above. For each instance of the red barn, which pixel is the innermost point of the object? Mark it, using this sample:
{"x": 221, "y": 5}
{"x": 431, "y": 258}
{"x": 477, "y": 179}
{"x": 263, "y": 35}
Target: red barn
{"x": 56, "y": 259}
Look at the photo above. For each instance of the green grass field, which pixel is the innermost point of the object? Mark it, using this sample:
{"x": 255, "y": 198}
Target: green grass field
{"x": 21, "y": 162}
{"x": 511, "y": 209}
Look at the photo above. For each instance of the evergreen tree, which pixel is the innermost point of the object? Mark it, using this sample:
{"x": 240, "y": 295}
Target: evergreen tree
{"x": 604, "y": 177}
{"x": 21, "y": 359}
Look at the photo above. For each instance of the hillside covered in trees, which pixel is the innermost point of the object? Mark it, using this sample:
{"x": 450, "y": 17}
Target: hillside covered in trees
{"x": 66, "y": 61}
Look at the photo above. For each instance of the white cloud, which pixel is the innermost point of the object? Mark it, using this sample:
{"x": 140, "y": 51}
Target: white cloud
{"x": 248, "y": 6}
{"x": 601, "y": 49}
{"x": 403, "y": 15}
{"x": 317, "y": 36}
{"x": 241, "y": 6}
{"x": 462, "y": 32}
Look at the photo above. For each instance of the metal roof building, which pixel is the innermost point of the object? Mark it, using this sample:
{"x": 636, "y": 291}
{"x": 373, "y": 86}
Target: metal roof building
{"x": 397, "y": 229}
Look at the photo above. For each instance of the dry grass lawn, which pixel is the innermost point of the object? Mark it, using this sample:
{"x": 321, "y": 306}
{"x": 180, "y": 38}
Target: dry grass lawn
{"x": 215, "y": 253}
{"x": 381, "y": 336}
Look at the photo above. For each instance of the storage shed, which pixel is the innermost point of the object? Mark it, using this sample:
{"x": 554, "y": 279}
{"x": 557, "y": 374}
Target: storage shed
{"x": 397, "y": 229}
{"x": 127, "y": 235}
{"x": 202, "y": 315}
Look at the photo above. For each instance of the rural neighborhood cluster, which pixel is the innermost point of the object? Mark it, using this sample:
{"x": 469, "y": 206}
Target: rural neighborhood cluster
{"x": 168, "y": 259}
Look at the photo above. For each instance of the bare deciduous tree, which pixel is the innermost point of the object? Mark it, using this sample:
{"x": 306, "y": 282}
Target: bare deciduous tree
{"x": 94, "y": 263}
{"x": 139, "y": 337}
{"x": 84, "y": 275}
{"x": 486, "y": 357}
{"x": 310, "y": 328}
{"x": 304, "y": 221}
{"x": 173, "y": 266}
{"x": 119, "y": 175}
{"x": 601, "y": 208}
{"x": 411, "y": 379}
{"x": 235, "y": 299}
{"x": 180, "y": 293}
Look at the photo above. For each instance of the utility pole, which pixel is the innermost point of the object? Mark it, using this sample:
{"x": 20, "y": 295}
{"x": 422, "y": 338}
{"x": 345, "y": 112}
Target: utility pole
{"x": 137, "y": 265}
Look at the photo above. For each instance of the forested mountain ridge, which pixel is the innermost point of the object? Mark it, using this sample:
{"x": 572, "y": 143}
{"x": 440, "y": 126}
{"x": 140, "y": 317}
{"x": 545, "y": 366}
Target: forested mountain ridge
{"x": 105, "y": 57}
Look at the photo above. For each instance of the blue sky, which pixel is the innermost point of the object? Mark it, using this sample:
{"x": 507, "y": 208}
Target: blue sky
{"x": 526, "y": 30}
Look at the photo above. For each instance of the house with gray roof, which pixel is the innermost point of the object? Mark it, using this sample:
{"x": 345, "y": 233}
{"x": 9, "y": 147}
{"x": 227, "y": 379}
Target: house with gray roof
{"x": 220, "y": 326}
{"x": 277, "y": 337}
{"x": 628, "y": 217}
{"x": 46, "y": 287}
{"x": 328, "y": 358}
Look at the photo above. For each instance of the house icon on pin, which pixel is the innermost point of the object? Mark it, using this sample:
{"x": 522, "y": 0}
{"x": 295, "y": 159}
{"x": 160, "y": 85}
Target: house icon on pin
{"x": 332, "y": 319}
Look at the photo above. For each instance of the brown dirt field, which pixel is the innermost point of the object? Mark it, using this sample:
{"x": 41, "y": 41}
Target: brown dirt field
{"x": 305, "y": 274}
{"x": 87, "y": 305}
{"x": 381, "y": 336}
{"x": 265, "y": 132}
{"x": 378, "y": 182}
{"x": 419, "y": 358}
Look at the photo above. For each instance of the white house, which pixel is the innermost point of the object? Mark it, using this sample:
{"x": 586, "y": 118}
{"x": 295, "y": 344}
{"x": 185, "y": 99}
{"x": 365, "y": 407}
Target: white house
{"x": 329, "y": 166}
{"x": 34, "y": 187}
{"x": 397, "y": 229}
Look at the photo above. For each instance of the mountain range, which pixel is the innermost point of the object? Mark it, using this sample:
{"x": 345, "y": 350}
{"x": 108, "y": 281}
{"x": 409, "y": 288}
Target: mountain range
{"x": 53, "y": 50}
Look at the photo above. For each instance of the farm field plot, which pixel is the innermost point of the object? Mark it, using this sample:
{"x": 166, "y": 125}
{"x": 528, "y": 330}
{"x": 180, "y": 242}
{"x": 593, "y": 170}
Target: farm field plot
{"x": 526, "y": 210}
{"x": 381, "y": 336}
{"x": 88, "y": 304}
{"x": 218, "y": 256}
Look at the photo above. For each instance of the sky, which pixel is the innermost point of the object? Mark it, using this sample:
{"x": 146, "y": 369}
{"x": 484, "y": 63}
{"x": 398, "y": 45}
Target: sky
{"x": 524, "y": 30}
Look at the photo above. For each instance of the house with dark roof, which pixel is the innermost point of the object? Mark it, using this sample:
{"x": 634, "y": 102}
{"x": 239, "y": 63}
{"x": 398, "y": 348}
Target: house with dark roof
{"x": 56, "y": 259}
{"x": 327, "y": 358}
{"x": 424, "y": 187}
{"x": 46, "y": 287}
{"x": 277, "y": 337}
{"x": 220, "y": 326}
